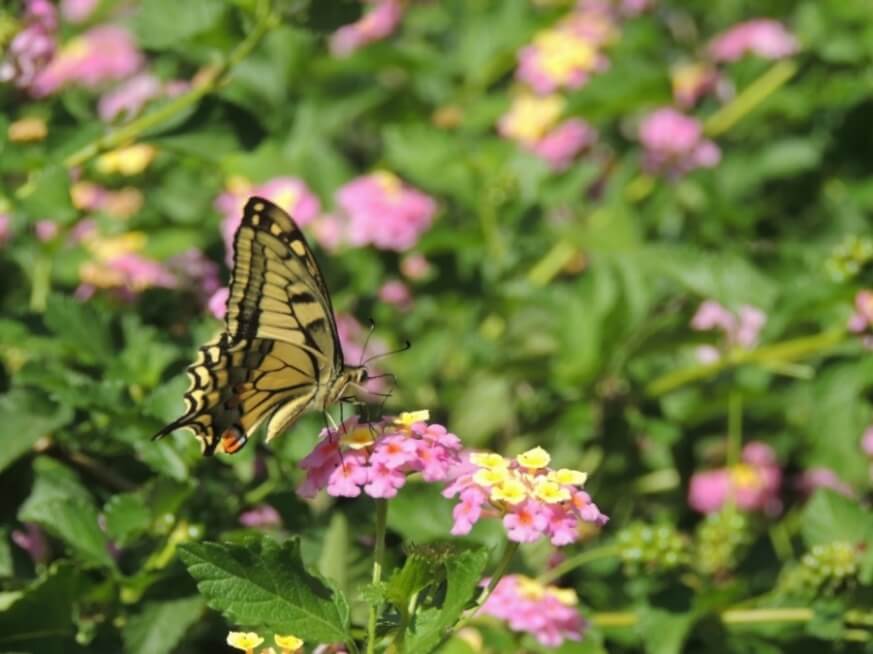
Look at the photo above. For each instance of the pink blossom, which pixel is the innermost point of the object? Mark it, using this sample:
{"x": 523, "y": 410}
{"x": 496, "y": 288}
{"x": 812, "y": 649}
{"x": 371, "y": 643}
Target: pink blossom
{"x": 563, "y": 528}
{"x": 328, "y": 231}
{"x": 546, "y": 612}
{"x": 76, "y": 11}
{"x": 526, "y": 522}
{"x": 383, "y": 211}
{"x": 383, "y": 481}
{"x": 129, "y": 97}
{"x": 396, "y": 293}
{"x": 217, "y": 304}
{"x": 104, "y": 53}
{"x": 867, "y": 442}
{"x": 560, "y": 146}
{"x": 467, "y": 512}
{"x": 693, "y": 81}
{"x": 378, "y": 23}
{"x": 261, "y": 516}
{"x": 764, "y": 37}
{"x": 348, "y": 477}
{"x": 415, "y": 266}
{"x": 820, "y": 477}
{"x": 46, "y": 230}
{"x": 140, "y": 273}
{"x": 394, "y": 451}
{"x": 739, "y": 329}
{"x": 5, "y": 228}
{"x": 675, "y": 144}
{"x": 82, "y": 231}
{"x": 588, "y": 510}
{"x": 752, "y": 484}
{"x": 289, "y": 193}
{"x": 32, "y": 539}
{"x": 31, "y": 49}
{"x": 862, "y": 319}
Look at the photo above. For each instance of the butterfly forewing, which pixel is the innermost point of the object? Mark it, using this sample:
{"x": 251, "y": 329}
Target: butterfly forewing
{"x": 280, "y": 352}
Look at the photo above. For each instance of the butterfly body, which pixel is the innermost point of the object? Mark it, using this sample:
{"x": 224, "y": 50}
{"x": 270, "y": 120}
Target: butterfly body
{"x": 280, "y": 354}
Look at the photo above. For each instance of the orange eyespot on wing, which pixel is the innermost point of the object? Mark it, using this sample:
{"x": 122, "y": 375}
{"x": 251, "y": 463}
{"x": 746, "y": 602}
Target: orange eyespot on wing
{"x": 232, "y": 440}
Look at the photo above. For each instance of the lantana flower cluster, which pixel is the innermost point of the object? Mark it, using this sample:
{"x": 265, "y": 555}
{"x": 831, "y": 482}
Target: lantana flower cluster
{"x": 740, "y": 329}
{"x": 753, "y": 484}
{"x": 675, "y": 144}
{"x": 249, "y": 641}
{"x": 532, "y": 499}
{"x": 861, "y": 321}
{"x": 377, "y": 458}
{"x": 550, "y": 614}
{"x": 378, "y": 23}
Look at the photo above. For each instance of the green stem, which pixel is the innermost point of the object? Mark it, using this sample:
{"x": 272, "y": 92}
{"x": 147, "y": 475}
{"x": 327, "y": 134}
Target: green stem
{"x": 790, "y": 350}
{"x": 728, "y": 617}
{"x": 211, "y": 80}
{"x": 752, "y": 96}
{"x": 42, "y": 281}
{"x": 573, "y": 562}
{"x": 378, "y": 561}
{"x": 734, "y": 428}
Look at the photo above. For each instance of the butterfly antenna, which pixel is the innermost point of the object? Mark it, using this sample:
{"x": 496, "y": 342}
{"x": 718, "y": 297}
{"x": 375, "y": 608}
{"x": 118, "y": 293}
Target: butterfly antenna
{"x": 407, "y": 345}
{"x": 367, "y": 341}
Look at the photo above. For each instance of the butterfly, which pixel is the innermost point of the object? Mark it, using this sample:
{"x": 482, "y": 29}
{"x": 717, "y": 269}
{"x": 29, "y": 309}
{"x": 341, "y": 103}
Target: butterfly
{"x": 279, "y": 355}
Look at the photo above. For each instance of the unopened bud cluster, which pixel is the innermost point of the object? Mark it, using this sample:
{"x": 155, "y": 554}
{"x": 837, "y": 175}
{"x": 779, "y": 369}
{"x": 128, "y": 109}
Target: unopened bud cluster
{"x": 720, "y": 540}
{"x": 651, "y": 548}
{"x": 824, "y": 570}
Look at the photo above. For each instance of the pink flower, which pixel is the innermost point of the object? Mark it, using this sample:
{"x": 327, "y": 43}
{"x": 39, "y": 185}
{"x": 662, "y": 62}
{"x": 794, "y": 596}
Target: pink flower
{"x": 675, "y": 144}
{"x": 383, "y": 481}
{"x": 76, "y": 11}
{"x": 396, "y": 293}
{"x": 415, "y": 266}
{"x": 383, "y": 211}
{"x": 560, "y": 146}
{"x": 820, "y": 477}
{"x": 129, "y": 97}
{"x": 752, "y": 484}
{"x": 30, "y": 51}
{"x": 46, "y": 230}
{"x": 546, "y": 612}
{"x": 867, "y": 442}
{"x": 348, "y": 477}
{"x": 5, "y": 228}
{"x": 377, "y": 24}
{"x": 862, "y": 319}
{"x": 693, "y": 81}
{"x": 764, "y": 37}
{"x": 126, "y": 274}
{"x": 196, "y": 271}
{"x": 395, "y": 451}
{"x": 289, "y": 193}
{"x": 33, "y": 541}
{"x": 217, "y": 304}
{"x": 526, "y": 522}
{"x": 467, "y": 512}
{"x": 740, "y": 330}
{"x": 328, "y": 232}
{"x": 104, "y": 53}
{"x": 261, "y": 516}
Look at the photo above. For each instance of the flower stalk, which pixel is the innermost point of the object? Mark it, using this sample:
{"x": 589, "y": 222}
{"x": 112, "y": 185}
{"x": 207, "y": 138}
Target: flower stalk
{"x": 378, "y": 562}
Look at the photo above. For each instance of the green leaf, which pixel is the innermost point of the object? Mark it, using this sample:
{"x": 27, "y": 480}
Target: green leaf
{"x": 161, "y": 24}
{"x": 30, "y": 417}
{"x": 41, "y": 620}
{"x": 463, "y": 575}
{"x": 80, "y": 327}
{"x": 264, "y": 584}
{"x": 126, "y": 517}
{"x": 6, "y": 568}
{"x": 664, "y": 632}
{"x": 160, "y": 626}
{"x": 830, "y": 517}
{"x": 485, "y": 407}
{"x": 64, "y": 508}
{"x": 50, "y": 196}
{"x": 333, "y": 561}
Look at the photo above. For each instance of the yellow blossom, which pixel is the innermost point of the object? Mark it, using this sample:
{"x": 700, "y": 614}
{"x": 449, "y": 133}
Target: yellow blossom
{"x": 534, "y": 459}
{"x": 287, "y": 198}
{"x": 409, "y": 418}
{"x": 530, "y": 588}
{"x": 487, "y": 477}
{"x": 745, "y": 476}
{"x": 289, "y": 643}
{"x": 124, "y": 203}
{"x": 561, "y": 54}
{"x": 105, "y": 248}
{"x": 244, "y": 640}
{"x": 238, "y": 184}
{"x": 358, "y": 438}
{"x": 130, "y": 160}
{"x": 566, "y": 596}
{"x": 511, "y": 491}
{"x": 389, "y": 182}
{"x": 531, "y": 116}
{"x": 568, "y": 477}
{"x": 489, "y": 460}
{"x": 27, "y": 130}
{"x": 550, "y": 492}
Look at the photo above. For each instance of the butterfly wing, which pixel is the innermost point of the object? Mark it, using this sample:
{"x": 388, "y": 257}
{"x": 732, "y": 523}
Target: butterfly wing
{"x": 233, "y": 388}
{"x": 277, "y": 290}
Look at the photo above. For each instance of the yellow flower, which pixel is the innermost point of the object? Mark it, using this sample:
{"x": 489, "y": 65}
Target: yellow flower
{"x": 389, "y": 182}
{"x": 358, "y": 438}
{"x": 550, "y": 492}
{"x": 409, "y": 418}
{"x": 511, "y": 491}
{"x": 130, "y": 160}
{"x": 566, "y": 596}
{"x": 238, "y": 184}
{"x": 489, "y": 460}
{"x": 244, "y": 640}
{"x": 561, "y": 54}
{"x": 568, "y": 477}
{"x": 534, "y": 459}
{"x": 288, "y": 643}
{"x": 486, "y": 477}
{"x": 530, "y": 588}
{"x": 105, "y": 248}
{"x": 27, "y": 130}
{"x": 531, "y": 116}
{"x": 745, "y": 476}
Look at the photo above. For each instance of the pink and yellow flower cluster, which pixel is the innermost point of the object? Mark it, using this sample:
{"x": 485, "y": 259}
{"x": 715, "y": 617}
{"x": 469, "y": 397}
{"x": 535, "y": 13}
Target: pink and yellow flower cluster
{"x": 533, "y": 500}
{"x": 550, "y": 614}
{"x": 740, "y": 329}
{"x": 752, "y": 484}
{"x": 377, "y": 458}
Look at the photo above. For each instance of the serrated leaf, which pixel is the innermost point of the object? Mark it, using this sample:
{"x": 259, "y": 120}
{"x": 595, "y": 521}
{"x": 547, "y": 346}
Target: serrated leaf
{"x": 463, "y": 575}
{"x": 29, "y": 416}
{"x": 64, "y": 508}
{"x": 41, "y": 619}
{"x": 160, "y": 626}
{"x": 264, "y": 584}
{"x": 830, "y": 517}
